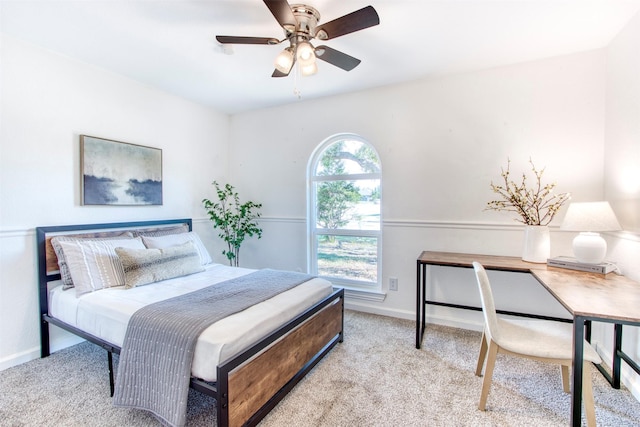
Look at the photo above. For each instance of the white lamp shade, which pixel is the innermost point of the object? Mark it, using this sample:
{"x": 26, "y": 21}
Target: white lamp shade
{"x": 589, "y": 218}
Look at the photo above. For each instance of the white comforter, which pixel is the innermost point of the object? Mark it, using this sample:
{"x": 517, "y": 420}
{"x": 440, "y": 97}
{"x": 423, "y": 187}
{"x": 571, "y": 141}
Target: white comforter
{"x": 105, "y": 313}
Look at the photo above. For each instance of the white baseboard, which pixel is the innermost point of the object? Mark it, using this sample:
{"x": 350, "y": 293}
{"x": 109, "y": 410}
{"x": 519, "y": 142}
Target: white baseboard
{"x": 34, "y": 353}
{"x": 410, "y": 315}
{"x": 401, "y": 314}
{"x": 19, "y": 359}
{"x": 65, "y": 342}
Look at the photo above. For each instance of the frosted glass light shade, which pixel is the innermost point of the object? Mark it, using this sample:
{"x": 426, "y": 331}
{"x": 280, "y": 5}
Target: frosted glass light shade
{"x": 309, "y": 69}
{"x": 284, "y": 61}
{"x": 589, "y": 218}
{"x": 305, "y": 53}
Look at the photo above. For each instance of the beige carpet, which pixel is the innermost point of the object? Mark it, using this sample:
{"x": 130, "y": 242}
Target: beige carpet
{"x": 375, "y": 378}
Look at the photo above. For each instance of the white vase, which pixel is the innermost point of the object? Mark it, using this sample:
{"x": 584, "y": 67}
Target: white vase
{"x": 537, "y": 244}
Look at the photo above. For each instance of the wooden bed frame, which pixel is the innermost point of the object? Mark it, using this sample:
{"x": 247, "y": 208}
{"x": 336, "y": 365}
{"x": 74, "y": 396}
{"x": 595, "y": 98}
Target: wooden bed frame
{"x": 251, "y": 383}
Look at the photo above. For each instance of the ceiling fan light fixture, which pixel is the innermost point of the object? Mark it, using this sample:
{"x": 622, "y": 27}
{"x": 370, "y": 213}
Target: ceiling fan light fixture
{"x": 305, "y": 53}
{"x": 308, "y": 69}
{"x": 284, "y": 61}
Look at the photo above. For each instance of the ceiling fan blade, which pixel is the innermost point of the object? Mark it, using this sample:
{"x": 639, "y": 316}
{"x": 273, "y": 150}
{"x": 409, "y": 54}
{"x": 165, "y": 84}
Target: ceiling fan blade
{"x": 246, "y": 40}
{"x": 355, "y": 21}
{"x": 337, "y": 58}
{"x": 283, "y": 14}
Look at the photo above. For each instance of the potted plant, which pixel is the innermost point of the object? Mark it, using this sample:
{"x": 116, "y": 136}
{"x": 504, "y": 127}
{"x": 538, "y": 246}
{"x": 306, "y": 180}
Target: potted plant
{"x": 236, "y": 220}
{"x": 536, "y": 206}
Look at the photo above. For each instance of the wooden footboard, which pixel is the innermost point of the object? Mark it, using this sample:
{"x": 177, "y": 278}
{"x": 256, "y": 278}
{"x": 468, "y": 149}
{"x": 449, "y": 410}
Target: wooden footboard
{"x": 251, "y": 384}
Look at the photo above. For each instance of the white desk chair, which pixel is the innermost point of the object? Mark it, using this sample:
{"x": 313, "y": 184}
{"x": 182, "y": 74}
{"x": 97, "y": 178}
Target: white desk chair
{"x": 541, "y": 340}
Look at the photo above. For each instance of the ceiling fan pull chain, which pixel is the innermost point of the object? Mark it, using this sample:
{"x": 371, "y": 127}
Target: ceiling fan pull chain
{"x": 296, "y": 74}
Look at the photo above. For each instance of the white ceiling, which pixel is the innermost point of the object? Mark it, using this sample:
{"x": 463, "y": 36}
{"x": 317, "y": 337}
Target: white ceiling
{"x": 170, "y": 44}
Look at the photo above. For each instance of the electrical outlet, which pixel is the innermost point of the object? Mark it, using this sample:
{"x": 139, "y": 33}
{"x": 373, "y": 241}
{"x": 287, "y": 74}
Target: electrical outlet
{"x": 393, "y": 283}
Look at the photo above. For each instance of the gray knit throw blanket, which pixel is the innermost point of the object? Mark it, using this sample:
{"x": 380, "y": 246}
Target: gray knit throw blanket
{"x": 155, "y": 363}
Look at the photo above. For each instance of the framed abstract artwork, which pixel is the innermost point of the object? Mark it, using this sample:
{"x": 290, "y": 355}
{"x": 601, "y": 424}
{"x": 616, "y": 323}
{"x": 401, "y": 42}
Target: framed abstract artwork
{"x": 118, "y": 173}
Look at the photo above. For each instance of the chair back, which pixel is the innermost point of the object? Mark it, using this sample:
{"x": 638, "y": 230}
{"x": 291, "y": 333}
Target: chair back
{"x": 488, "y": 306}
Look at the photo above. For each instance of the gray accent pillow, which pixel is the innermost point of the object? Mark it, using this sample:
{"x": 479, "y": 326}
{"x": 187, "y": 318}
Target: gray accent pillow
{"x": 164, "y": 231}
{"x": 143, "y": 266}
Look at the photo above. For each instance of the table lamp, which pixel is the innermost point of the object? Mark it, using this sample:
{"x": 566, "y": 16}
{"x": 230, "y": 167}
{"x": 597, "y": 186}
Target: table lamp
{"x": 589, "y": 219}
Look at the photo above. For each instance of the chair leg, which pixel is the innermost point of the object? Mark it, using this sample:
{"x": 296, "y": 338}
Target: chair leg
{"x": 587, "y": 396}
{"x": 488, "y": 374}
{"x": 565, "y": 378}
{"x": 482, "y": 355}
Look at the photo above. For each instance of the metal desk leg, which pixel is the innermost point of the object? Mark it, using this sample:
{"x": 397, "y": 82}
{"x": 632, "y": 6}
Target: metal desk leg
{"x": 421, "y": 314}
{"x": 578, "y": 366}
{"x": 617, "y": 351}
{"x": 419, "y": 307}
{"x": 614, "y": 377}
{"x": 423, "y": 302}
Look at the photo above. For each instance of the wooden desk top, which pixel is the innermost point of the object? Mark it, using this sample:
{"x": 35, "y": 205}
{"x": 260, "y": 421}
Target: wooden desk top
{"x": 611, "y": 297}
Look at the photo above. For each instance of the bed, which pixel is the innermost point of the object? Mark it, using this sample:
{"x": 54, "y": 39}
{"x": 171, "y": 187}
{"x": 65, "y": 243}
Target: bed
{"x": 248, "y": 361}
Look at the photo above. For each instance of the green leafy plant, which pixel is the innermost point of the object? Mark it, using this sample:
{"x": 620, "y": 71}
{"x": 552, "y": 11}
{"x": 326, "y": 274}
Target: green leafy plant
{"x": 535, "y": 205}
{"x": 236, "y": 220}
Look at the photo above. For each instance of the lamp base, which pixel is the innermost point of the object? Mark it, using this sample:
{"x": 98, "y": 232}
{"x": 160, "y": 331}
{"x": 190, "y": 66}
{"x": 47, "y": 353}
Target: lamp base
{"x": 589, "y": 248}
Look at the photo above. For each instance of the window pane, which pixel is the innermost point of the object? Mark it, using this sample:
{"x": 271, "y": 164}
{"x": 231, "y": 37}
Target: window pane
{"x": 348, "y": 257}
{"x": 346, "y": 158}
{"x": 351, "y": 205}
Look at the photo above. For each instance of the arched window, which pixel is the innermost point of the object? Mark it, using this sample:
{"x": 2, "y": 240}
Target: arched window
{"x": 343, "y": 216}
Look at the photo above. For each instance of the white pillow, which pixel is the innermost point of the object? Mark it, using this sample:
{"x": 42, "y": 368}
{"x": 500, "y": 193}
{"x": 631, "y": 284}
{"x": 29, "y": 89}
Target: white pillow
{"x": 161, "y": 242}
{"x": 94, "y": 264}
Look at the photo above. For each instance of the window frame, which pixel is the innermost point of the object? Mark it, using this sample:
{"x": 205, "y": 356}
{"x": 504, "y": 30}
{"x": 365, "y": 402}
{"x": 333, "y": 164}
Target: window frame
{"x": 313, "y": 231}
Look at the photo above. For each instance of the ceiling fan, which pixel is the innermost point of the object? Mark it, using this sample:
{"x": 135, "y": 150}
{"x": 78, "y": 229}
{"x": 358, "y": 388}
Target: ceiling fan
{"x": 300, "y": 25}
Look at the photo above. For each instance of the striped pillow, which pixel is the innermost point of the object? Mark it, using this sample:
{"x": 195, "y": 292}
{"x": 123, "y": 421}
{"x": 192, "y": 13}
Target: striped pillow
{"x": 94, "y": 264}
{"x": 143, "y": 266}
{"x": 65, "y": 274}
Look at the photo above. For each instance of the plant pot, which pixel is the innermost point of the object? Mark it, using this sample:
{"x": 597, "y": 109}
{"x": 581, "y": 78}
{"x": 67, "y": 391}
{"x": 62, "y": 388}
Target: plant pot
{"x": 537, "y": 244}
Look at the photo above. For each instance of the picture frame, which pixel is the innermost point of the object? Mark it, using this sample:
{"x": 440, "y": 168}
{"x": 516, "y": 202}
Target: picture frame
{"x": 118, "y": 173}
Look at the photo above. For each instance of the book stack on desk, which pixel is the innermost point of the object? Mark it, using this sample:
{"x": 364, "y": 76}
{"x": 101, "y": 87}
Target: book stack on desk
{"x": 573, "y": 264}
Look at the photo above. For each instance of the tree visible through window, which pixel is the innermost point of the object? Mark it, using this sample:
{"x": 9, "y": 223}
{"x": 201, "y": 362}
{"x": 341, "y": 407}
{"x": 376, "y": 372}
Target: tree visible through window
{"x": 344, "y": 211}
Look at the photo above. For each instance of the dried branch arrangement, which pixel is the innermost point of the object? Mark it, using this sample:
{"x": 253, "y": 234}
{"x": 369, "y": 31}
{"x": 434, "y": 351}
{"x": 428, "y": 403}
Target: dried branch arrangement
{"x": 537, "y": 205}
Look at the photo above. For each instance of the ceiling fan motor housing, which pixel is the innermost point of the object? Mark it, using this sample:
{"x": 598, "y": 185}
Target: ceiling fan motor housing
{"x": 307, "y": 18}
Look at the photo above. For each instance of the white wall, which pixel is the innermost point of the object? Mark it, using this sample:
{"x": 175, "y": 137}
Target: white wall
{"x": 622, "y": 171}
{"x": 622, "y": 149}
{"x": 441, "y": 142}
{"x": 49, "y": 100}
